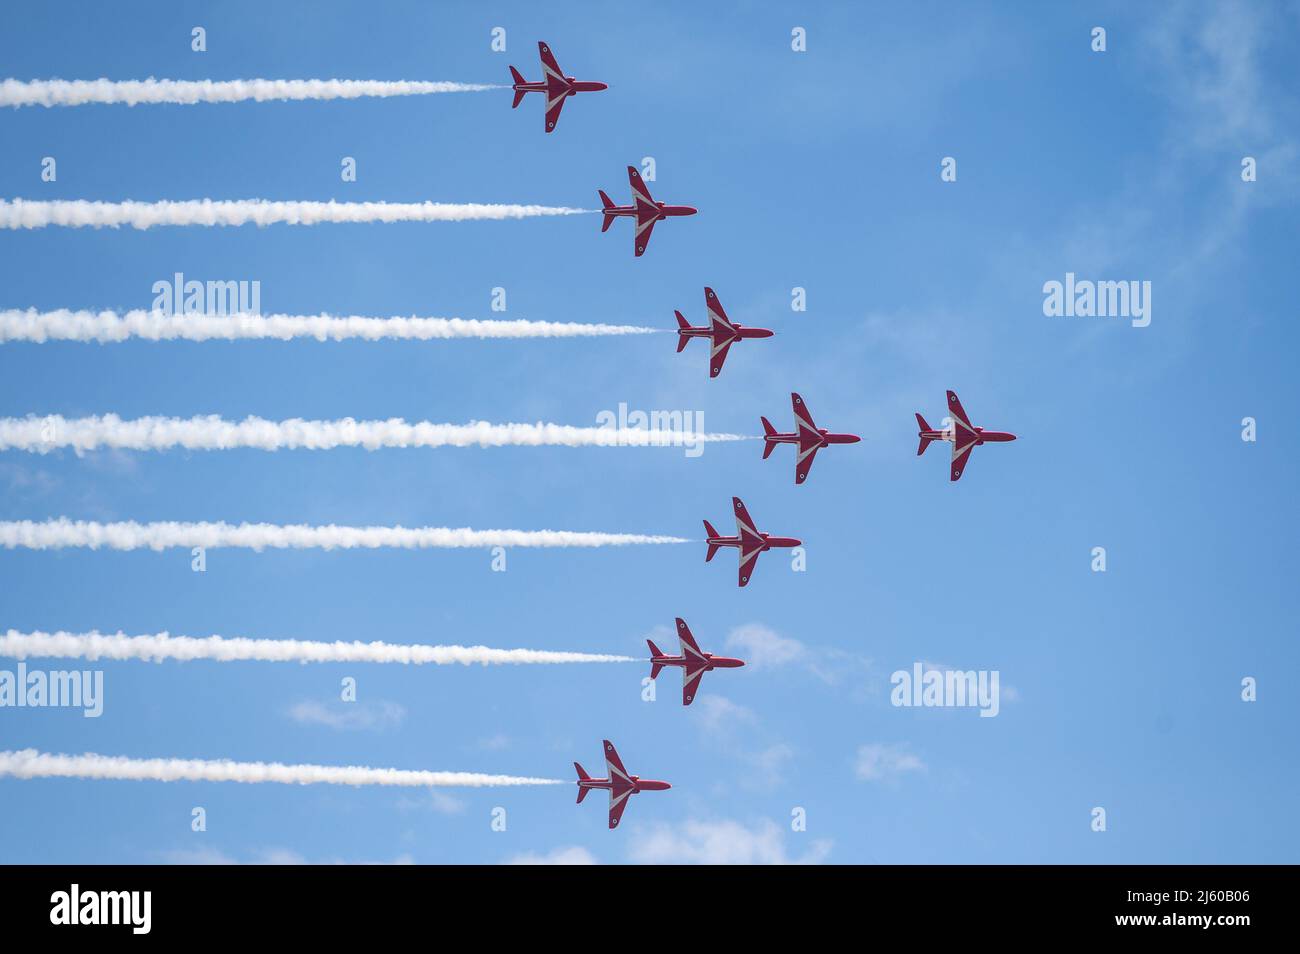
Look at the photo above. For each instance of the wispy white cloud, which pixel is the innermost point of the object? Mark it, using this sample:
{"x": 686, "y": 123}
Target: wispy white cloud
{"x": 886, "y": 762}
{"x": 570, "y": 855}
{"x": 765, "y": 648}
{"x": 207, "y": 855}
{"x": 349, "y": 716}
{"x": 719, "y": 716}
{"x": 724, "y": 842}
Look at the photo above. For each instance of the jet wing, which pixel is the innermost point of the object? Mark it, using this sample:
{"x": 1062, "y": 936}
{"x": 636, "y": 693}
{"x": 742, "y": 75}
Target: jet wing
{"x": 617, "y": 805}
{"x": 722, "y": 331}
{"x": 550, "y": 68}
{"x": 690, "y": 648}
{"x": 803, "y": 464}
{"x": 958, "y": 412}
{"x": 749, "y": 537}
{"x": 801, "y": 416}
{"x": 614, "y": 764}
{"x": 620, "y": 784}
{"x": 744, "y": 524}
{"x": 554, "y": 103}
{"x": 717, "y": 357}
{"x": 964, "y": 437}
{"x": 961, "y": 453}
{"x": 641, "y": 238}
{"x": 716, "y": 312}
{"x": 639, "y": 190}
{"x": 803, "y": 422}
{"x": 692, "y": 676}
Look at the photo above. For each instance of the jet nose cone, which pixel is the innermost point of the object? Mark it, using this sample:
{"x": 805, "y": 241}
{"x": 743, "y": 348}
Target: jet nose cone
{"x": 689, "y": 210}
{"x": 597, "y": 87}
{"x": 765, "y": 333}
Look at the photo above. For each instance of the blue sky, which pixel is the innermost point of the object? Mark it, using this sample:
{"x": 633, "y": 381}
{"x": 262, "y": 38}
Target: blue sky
{"x": 817, "y": 169}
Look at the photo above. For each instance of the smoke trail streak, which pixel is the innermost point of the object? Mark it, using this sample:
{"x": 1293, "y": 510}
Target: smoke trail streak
{"x": 79, "y": 213}
{"x": 108, "y": 326}
{"x": 157, "y": 647}
{"x": 43, "y": 434}
{"x": 29, "y": 763}
{"x": 57, "y": 92}
{"x": 63, "y": 533}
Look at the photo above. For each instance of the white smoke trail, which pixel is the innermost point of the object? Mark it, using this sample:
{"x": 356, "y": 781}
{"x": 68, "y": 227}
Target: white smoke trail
{"x": 62, "y": 533}
{"x": 157, "y": 647}
{"x": 78, "y": 213}
{"x": 188, "y": 92}
{"x": 109, "y": 326}
{"x": 42, "y": 434}
{"x": 29, "y": 763}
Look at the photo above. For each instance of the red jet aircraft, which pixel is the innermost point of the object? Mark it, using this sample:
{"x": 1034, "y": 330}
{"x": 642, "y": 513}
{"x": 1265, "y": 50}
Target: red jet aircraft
{"x": 644, "y": 209}
{"x": 694, "y": 662}
{"x": 808, "y": 437}
{"x": 748, "y": 541}
{"x": 620, "y": 784}
{"x": 963, "y": 436}
{"x": 721, "y": 331}
{"x": 554, "y": 84}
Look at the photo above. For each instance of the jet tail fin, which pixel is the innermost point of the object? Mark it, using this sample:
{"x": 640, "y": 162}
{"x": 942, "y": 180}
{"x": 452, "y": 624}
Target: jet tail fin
{"x": 519, "y": 93}
{"x": 925, "y": 441}
{"x": 582, "y": 777}
{"x": 713, "y": 550}
{"x": 769, "y": 445}
{"x": 682, "y": 325}
{"x": 655, "y": 668}
{"x": 606, "y": 203}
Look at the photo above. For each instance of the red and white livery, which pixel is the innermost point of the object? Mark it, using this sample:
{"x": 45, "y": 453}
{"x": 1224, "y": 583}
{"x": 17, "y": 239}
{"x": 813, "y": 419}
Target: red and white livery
{"x": 808, "y": 438}
{"x": 748, "y": 540}
{"x": 644, "y": 210}
{"x": 620, "y": 784}
{"x": 721, "y": 332}
{"x": 693, "y": 661}
{"x": 554, "y": 84}
{"x": 963, "y": 436}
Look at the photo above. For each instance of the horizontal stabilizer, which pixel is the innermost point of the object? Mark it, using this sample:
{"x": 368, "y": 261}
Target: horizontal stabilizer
{"x": 925, "y": 441}
{"x": 768, "y": 445}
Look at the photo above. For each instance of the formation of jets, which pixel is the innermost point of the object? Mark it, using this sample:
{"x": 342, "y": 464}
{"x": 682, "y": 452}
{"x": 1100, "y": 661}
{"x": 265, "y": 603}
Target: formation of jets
{"x": 721, "y": 333}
